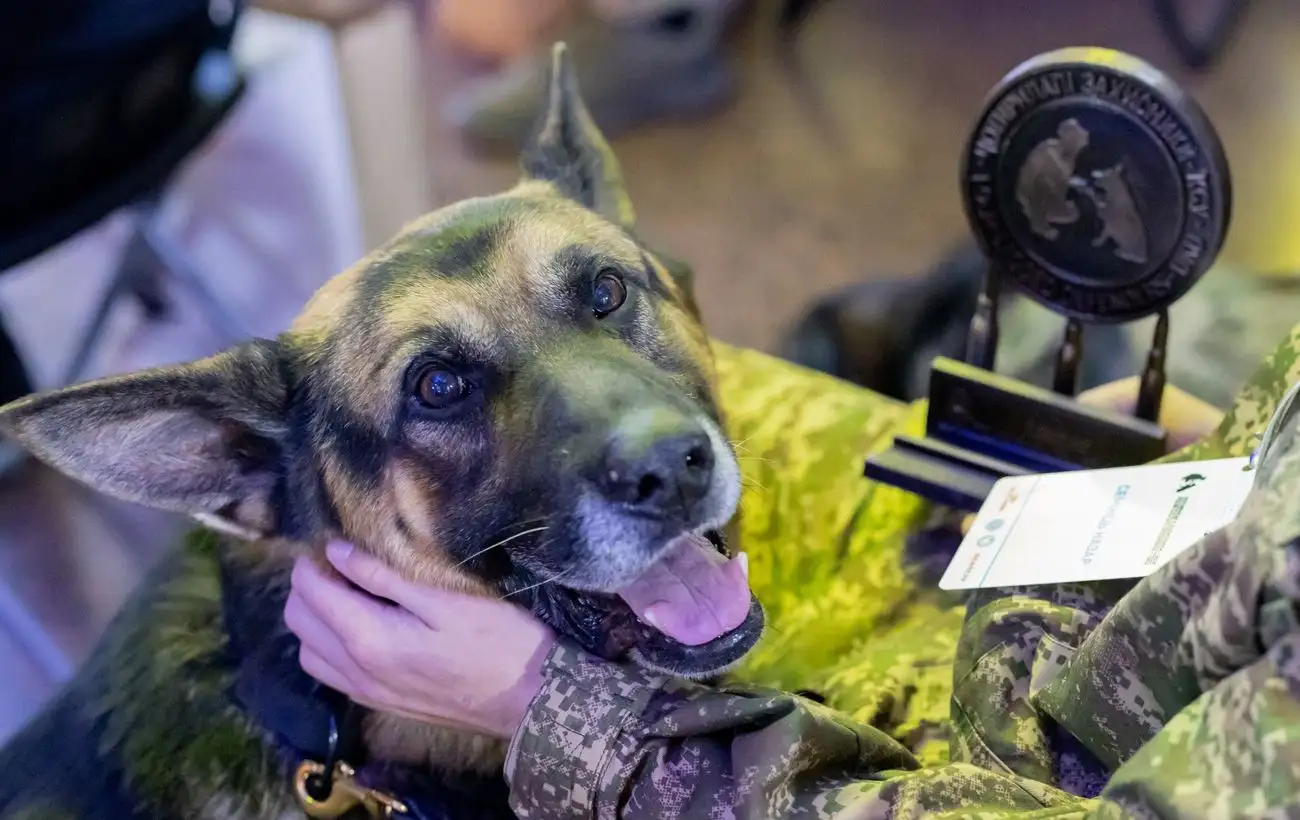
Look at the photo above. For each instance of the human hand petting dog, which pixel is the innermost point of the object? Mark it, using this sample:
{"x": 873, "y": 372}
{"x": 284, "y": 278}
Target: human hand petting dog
{"x": 432, "y": 655}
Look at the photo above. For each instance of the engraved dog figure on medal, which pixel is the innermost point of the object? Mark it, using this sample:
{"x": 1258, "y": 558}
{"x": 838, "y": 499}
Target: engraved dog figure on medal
{"x": 1044, "y": 183}
{"x": 1121, "y": 222}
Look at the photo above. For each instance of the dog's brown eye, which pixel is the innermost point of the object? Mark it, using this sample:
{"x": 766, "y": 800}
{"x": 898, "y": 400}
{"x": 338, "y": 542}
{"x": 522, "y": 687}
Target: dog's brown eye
{"x": 438, "y": 388}
{"x": 609, "y": 294}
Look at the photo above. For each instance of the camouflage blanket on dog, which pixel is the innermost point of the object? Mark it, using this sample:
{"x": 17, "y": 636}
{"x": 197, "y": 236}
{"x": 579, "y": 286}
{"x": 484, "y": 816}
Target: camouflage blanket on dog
{"x": 1177, "y": 696}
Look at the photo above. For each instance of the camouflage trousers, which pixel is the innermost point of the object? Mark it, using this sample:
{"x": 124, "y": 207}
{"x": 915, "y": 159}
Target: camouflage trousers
{"x": 1175, "y": 696}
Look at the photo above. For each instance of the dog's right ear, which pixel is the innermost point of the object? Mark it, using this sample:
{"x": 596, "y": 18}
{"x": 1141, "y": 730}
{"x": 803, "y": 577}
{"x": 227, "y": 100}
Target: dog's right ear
{"x": 205, "y": 438}
{"x": 568, "y": 150}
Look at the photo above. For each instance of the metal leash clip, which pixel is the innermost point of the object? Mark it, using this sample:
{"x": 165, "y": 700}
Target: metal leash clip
{"x": 344, "y": 793}
{"x": 329, "y": 790}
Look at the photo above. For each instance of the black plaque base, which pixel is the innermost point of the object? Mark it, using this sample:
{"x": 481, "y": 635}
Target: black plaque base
{"x": 982, "y": 427}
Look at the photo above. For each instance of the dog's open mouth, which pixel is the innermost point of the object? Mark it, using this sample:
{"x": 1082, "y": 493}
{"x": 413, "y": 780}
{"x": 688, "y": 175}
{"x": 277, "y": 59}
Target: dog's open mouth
{"x": 697, "y": 615}
{"x": 694, "y": 594}
{"x": 690, "y": 614}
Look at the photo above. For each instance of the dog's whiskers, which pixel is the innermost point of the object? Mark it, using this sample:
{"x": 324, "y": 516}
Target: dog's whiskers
{"x": 740, "y": 445}
{"x": 542, "y": 582}
{"x": 501, "y": 543}
{"x": 538, "y": 520}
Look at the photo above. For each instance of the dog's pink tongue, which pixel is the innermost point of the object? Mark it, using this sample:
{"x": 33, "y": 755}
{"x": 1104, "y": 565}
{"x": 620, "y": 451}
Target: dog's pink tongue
{"x": 693, "y": 594}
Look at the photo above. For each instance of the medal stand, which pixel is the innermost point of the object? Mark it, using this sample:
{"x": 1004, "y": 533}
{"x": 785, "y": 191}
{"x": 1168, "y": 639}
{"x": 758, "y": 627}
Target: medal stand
{"x": 1098, "y": 188}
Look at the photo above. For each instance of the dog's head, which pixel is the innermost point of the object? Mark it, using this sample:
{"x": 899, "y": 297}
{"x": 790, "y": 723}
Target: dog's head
{"x": 514, "y": 396}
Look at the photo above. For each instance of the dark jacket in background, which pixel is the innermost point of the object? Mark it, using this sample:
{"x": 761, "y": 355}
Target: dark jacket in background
{"x": 89, "y": 87}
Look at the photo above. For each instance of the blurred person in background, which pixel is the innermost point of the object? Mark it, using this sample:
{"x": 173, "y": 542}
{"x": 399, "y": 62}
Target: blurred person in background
{"x": 637, "y": 60}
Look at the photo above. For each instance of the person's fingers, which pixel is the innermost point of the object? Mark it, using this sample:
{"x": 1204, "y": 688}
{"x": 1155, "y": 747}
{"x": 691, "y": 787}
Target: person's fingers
{"x": 318, "y": 667}
{"x": 314, "y": 634}
{"x": 367, "y": 572}
{"x": 966, "y": 523}
{"x": 369, "y": 630}
{"x": 430, "y": 604}
{"x": 349, "y": 680}
{"x": 361, "y": 688}
{"x": 1186, "y": 417}
{"x": 302, "y": 622}
{"x": 1119, "y": 395}
{"x": 370, "y": 574}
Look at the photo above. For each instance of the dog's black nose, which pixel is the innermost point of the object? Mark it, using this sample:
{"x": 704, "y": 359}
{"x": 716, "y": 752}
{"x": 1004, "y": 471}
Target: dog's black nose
{"x": 665, "y": 476}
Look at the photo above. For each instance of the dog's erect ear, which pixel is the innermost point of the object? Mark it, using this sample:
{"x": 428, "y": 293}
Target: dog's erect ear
{"x": 568, "y": 150}
{"x": 204, "y": 438}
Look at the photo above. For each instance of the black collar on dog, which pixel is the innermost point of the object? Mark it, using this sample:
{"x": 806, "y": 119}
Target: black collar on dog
{"x": 311, "y": 722}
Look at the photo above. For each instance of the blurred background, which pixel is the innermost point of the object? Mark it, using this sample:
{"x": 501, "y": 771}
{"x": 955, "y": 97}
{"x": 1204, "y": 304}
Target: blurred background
{"x": 208, "y": 176}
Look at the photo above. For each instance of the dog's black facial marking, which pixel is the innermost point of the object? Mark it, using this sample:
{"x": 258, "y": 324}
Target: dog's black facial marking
{"x": 682, "y": 274}
{"x": 299, "y": 500}
{"x": 464, "y": 247}
{"x": 494, "y": 566}
{"x": 361, "y": 450}
{"x": 657, "y": 285}
{"x": 577, "y": 260}
{"x": 463, "y": 253}
{"x": 484, "y": 532}
{"x": 403, "y": 529}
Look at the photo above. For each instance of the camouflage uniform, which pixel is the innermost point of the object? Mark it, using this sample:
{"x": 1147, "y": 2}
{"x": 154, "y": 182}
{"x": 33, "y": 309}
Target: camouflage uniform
{"x": 1176, "y": 696}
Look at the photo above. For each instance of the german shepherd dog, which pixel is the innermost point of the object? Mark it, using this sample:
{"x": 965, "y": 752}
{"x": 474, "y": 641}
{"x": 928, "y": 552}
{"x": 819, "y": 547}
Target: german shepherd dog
{"x": 512, "y": 398}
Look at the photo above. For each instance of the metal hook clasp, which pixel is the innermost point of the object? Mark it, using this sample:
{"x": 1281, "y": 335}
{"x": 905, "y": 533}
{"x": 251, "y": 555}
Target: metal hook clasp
{"x": 344, "y": 793}
{"x": 329, "y": 790}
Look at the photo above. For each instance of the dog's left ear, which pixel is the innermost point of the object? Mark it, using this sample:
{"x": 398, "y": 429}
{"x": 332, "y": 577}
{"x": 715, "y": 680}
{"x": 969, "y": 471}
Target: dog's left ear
{"x": 568, "y": 150}
{"x": 206, "y": 438}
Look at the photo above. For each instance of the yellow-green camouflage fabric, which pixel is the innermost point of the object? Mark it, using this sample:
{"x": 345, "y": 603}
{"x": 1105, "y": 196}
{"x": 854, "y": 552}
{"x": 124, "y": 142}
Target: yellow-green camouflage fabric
{"x": 852, "y": 613}
{"x": 1176, "y": 696}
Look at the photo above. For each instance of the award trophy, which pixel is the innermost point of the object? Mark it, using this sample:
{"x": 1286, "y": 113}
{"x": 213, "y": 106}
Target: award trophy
{"x": 1098, "y": 188}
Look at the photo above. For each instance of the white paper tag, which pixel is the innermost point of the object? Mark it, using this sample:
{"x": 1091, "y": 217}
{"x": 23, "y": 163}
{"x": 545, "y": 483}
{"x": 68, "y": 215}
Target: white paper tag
{"x": 1091, "y": 525}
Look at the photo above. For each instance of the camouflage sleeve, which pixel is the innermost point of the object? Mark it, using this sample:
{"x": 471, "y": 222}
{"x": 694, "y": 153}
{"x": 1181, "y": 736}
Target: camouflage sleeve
{"x": 1201, "y": 667}
{"x": 606, "y": 740}
{"x": 1188, "y": 689}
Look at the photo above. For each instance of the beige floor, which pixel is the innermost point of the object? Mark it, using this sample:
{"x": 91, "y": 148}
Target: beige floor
{"x": 837, "y": 163}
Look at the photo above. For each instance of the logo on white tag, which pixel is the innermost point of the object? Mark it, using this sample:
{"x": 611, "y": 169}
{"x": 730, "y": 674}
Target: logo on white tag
{"x": 1092, "y": 525}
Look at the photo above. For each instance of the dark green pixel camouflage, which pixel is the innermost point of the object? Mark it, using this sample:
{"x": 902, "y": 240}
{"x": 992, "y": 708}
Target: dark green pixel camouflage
{"x": 1176, "y": 696}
